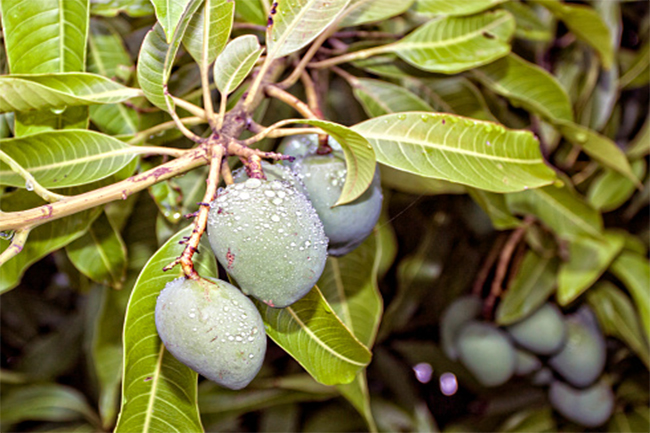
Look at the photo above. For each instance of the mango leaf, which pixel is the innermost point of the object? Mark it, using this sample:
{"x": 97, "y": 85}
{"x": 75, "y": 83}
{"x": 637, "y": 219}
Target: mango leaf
{"x": 157, "y": 54}
{"x": 589, "y": 258}
{"x": 56, "y": 91}
{"x": 413, "y": 184}
{"x": 470, "y": 152}
{"x": 532, "y": 286}
{"x": 527, "y": 85}
{"x": 100, "y": 254}
{"x": 115, "y": 119}
{"x": 170, "y": 14}
{"x": 44, "y": 37}
{"x": 132, "y": 8}
{"x": 529, "y": 25}
{"x": 209, "y": 30}
{"x": 636, "y": 73}
{"x": 158, "y": 392}
{"x": 617, "y": 317}
{"x": 634, "y": 271}
{"x": 106, "y": 51}
{"x": 47, "y": 402}
{"x": 636, "y": 420}
{"x": 42, "y": 240}
{"x": 640, "y": 146}
{"x": 456, "y": 95}
{"x": 455, "y": 8}
{"x": 372, "y": 11}
{"x": 495, "y": 207}
{"x": 610, "y": 189}
{"x": 586, "y": 24}
{"x": 252, "y": 11}
{"x": 59, "y": 159}
{"x": 561, "y": 209}
{"x": 235, "y": 62}
{"x": 378, "y": 97}
{"x": 529, "y": 421}
{"x": 313, "y": 335}
{"x": 299, "y": 22}
{"x": 451, "y": 45}
{"x": 599, "y": 147}
{"x": 356, "y": 392}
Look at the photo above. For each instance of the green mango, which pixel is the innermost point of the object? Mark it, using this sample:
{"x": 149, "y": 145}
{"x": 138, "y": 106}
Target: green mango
{"x": 543, "y": 332}
{"x": 589, "y": 407}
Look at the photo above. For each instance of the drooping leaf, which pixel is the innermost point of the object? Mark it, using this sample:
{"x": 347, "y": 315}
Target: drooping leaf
{"x": 235, "y": 62}
{"x": 633, "y": 270}
{"x": 534, "y": 283}
{"x": 561, "y": 209}
{"x": 170, "y": 14}
{"x": 470, "y": 152}
{"x": 618, "y": 318}
{"x": 59, "y": 159}
{"x": 100, "y": 254}
{"x": 158, "y": 392}
{"x": 58, "y": 91}
{"x": 610, "y": 189}
{"x": 132, "y": 8}
{"x": 209, "y": 30}
{"x": 455, "y": 8}
{"x": 586, "y": 24}
{"x": 313, "y": 335}
{"x": 157, "y": 56}
{"x": 588, "y": 260}
{"x": 297, "y": 23}
{"x": 495, "y": 207}
{"x": 371, "y": 11}
{"x": 379, "y": 97}
{"x": 527, "y": 85}
{"x": 456, "y": 44}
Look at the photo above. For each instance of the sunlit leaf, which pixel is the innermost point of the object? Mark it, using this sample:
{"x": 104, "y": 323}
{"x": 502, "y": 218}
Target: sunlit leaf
{"x": 588, "y": 260}
{"x": 133, "y": 8}
{"x": 158, "y": 392}
{"x": 315, "y": 337}
{"x": 610, "y": 189}
{"x": 169, "y": 14}
{"x": 115, "y": 119}
{"x": 59, "y": 159}
{"x": 251, "y": 11}
{"x": 617, "y": 317}
{"x": 455, "y": 8}
{"x": 534, "y": 283}
{"x": 209, "y": 30}
{"x": 235, "y": 62}
{"x": 634, "y": 271}
{"x": 379, "y": 97}
{"x": 470, "y": 152}
{"x": 297, "y": 23}
{"x": 106, "y": 51}
{"x": 371, "y": 11}
{"x": 561, "y": 209}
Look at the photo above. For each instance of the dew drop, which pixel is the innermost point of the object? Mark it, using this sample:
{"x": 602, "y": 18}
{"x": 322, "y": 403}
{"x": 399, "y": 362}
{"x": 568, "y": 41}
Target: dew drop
{"x": 277, "y": 201}
{"x": 244, "y": 195}
{"x": 29, "y": 186}
{"x": 487, "y": 143}
{"x": 58, "y": 110}
{"x": 401, "y": 116}
{"x": 275, "y": 218}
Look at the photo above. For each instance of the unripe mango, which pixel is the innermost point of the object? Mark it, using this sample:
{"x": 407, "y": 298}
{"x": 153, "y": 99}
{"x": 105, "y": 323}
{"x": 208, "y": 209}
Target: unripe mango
{"x": 268, "y": 237}
{"x": 462, "y": 310}
{"x": 590, "y": 407}
{"x": 214, "y": 329}
{"x": 526, "y": 363}
{"x": 543, "y": 332}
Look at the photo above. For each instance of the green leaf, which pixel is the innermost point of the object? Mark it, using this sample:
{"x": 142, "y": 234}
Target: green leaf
{"x": 455, "y": 8}
{"x": 115, "y": 119}
{"x": 618, "y": 318}
{"x": 451, "y": 45}
{"x": 170, "y": 14}
{"x": 356, "y": 392}
{"x": 235, "y": 62}
{"x": 59, "y": 159}
{"x": 456, "y": 95}
{"x": 586, "y": 24}
{"x": 157, "y": 56}
{"x": 634, "y": 271}
{"x": 132, "y": 8}
{"x": 599, "y": 147}
{"x": 209, "y": 30}
{"x": 495, "y": 207}
{"x": 589, "y": 258}
{"x": 158, "y": 392}
{"x": 42, "y": 240}
{"x": 100, "y": 254}
{"x": 58, "y": 91}
{"x": 636, "y": 74}
{"x": 299, "y": 22}
{"x": 413, "y": 184}
{"x": 532, "y": 286}
{"x": 379, "y": 97}
{"x": 610, "y": 189}
{"x": 529, "y": 25}
{"x": 470, "y": 152}
{"x": 372, "y": 11}
{"x": 530, "y": 421}
{"x": 561, "y": 209}
{"x": 251, "y": 11}
{"x": 313, "y": 335}
{"x": 47, "y": 402}
{"x": 106, "y": 51}
{"x": 640, "y": 146}
{"x": 527, "y": 85}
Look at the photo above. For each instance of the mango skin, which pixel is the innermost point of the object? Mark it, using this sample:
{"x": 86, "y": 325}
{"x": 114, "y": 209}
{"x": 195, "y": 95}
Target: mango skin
{"x": 348, "y": 225}
{"x": 543, "y": 332}
{"x": 589, "y": 407}
{"x": 214, "y": 329}
{"x": 487, "y": 353}
{"x": 462, "y": 310}
{"x": 268, "y": 237}
{"x": 299, "y": 146}
{"x": 273, "y": 172}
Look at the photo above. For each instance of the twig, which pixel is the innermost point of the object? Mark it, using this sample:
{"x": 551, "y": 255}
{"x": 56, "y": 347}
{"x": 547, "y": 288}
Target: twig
{"x": 188, "y": 106}
{"x": 149, "y": 133}
{"x": 186, "y": 132}
{"x": 366, "y": 34}
{"x": 481, "y": 277}
{"x": 313, "y": 101}
{"x": 226, "y": 173}
{"x": 43, "y": 192}
{"x": 356, "y": 55}
{"x": 266, "y": 132}
{"x": 291, "y": 100}
{"x": 502, "y": 266}
{"x": 17, "y": 243}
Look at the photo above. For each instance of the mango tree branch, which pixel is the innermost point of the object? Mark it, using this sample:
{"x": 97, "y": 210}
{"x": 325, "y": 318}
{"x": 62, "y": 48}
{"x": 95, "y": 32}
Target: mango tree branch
{"x": 17, "y": 243}
{"x": 349, "y": 57}
{"x": 186, "y": 132}
{"x": 266, "y": 132}
{"x": 142, "y": 136}
{"x": 289, "y": 99}
{"x": 30, "y": 218}
{"x": 44, "y": 193}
